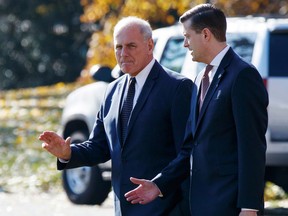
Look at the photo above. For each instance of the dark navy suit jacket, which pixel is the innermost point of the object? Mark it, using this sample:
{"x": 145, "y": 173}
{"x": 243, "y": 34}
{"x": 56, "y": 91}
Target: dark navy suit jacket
{"x": 155, "y": 135}
{"x": 225, "y": 143}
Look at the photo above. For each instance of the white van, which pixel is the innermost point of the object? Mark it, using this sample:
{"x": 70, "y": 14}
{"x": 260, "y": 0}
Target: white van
{"x": 262, "y": 41}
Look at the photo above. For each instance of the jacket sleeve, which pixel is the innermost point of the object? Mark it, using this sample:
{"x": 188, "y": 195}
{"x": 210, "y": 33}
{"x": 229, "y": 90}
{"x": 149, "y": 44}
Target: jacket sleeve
{"x": 91, "y": 152}
{"x": 249, "y": 105}
{"x": 180, "y": 111}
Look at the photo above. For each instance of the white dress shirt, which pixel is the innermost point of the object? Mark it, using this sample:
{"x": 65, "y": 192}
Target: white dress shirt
{"x": 140, "y": 81}
{"x": 216, "y": 62}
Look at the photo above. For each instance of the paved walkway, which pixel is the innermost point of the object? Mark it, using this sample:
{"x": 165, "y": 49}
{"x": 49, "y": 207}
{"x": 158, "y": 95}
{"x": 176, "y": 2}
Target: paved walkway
{"x": 49, "y": 205}
{"x": 58, "y": 205}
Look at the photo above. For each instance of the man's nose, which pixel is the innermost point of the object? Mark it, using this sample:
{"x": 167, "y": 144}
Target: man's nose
{"x": 185, "y": 44}
{"x": 123, "y": 52}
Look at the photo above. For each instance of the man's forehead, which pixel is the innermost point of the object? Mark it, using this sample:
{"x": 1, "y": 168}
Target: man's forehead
{"x": 125, "y": 43}
{"x": 127, "y": 37}
{"x": 125, "y": 29}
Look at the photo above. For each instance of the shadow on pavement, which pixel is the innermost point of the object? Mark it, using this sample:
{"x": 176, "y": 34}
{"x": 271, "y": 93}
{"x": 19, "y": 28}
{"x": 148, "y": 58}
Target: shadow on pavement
{"x": 276, "y": 212}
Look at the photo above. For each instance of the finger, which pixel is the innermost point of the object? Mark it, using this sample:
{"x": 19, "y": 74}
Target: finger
{"x": 44, "y": 134}
{"x": 42, "y": 137}
{"x": 138, "y": 200}
{"x": 68, "y": 141}
{"x": 131, "y": 197}
{"x": 44, "y": 145}
{"x": 143, "y": 202}
{"x": 45, "y": 137}
{"x": 50, "y": 135}
{"x": 137, "y": 181}
{"x": 132, "y": 192}
{"x": 47, "y": 147}
{"x": 46, "y": 140}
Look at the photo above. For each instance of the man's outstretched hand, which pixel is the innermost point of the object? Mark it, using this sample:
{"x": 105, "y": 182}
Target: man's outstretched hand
{"x": 56, "y": 145}
{"x": 146, "y": 192}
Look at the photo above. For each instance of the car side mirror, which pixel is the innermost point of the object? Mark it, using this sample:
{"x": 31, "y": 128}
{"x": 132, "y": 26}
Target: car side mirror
{"x": 101, "y": 73}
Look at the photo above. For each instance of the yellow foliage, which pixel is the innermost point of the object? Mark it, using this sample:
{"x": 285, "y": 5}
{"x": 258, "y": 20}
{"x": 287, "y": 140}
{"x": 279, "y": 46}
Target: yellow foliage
{"x": 105, "y": 13}
{"x": 248, "y": 7}
{"x": 274, "y": 192}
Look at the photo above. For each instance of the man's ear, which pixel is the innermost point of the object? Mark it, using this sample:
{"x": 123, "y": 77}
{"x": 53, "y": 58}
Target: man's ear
{"x": 151, "y": 45}
{"x": 206, "y": 33}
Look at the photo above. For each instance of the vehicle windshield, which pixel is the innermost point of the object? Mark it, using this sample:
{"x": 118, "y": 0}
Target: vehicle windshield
{"x": 174, "y": 54}
{"x": 242, "y": 43}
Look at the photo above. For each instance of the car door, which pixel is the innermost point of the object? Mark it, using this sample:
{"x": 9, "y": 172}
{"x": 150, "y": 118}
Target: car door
{"x": 277, "y": 85}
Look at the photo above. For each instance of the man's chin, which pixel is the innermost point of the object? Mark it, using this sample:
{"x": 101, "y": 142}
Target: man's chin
{"x": 127, "y": 70}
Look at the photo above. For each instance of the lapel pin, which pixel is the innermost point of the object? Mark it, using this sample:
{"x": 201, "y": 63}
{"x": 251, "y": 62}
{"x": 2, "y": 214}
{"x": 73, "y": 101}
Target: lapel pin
{"x": 218, "y": 94}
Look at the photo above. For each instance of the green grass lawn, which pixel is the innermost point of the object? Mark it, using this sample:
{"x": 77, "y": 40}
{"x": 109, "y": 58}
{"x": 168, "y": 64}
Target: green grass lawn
{"x": 24, "y": 114}
{"x": 24, "y": 165}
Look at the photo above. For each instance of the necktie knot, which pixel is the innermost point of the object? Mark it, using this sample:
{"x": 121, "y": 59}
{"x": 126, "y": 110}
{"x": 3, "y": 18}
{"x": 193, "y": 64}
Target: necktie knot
{"x": 132, "y": 81}
{"x": 208, "y": 69}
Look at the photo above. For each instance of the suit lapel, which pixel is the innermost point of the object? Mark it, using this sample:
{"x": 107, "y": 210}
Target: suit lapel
{"x": 194, "y": 101}
{"x": 214, "y": 85}
{"x": 212, "y": 88}
{"x": 149, "y": 83}
{"x": 118, "y": 97}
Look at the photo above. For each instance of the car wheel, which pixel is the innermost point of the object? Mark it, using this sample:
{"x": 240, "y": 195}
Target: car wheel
{"x": 85, "y": 185}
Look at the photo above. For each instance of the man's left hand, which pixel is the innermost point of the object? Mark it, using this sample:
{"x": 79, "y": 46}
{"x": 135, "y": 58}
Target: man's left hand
{"x": 146, "y": 192}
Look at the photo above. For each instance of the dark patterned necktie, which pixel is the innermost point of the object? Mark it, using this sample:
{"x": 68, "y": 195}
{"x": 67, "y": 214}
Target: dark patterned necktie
{"x": 127, "y": 108}
{"x": 204, "y": 85}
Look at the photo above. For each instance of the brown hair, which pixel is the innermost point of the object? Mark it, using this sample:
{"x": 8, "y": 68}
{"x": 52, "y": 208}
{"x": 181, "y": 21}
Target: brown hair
{"x": 207, "y": 16}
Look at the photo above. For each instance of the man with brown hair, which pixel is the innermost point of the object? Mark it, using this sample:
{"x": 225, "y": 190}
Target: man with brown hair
{"x": 225, "y": 143}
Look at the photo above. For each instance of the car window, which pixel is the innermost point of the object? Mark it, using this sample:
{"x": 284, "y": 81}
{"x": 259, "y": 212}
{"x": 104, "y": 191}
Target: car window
{"x": 242, "y": 43}
{"x": 174, "y": 54}
{"x": 278, "y": 54}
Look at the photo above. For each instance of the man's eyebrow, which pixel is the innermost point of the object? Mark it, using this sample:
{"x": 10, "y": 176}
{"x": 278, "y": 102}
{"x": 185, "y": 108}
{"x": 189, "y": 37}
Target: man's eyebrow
{"x": 131, "y": 43}
{"x": 126, "y": 44}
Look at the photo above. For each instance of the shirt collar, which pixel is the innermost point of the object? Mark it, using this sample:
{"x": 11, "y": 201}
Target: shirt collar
{"x": 142, "y": 76}
{"x": 218, "y": 58}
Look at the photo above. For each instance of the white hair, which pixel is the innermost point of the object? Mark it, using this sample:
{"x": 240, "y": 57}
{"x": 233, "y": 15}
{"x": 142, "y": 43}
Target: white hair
{"x": 143, "y": 26}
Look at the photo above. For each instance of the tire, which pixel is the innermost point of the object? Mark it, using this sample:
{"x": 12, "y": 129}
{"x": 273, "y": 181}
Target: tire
{"x": 85, "y": 185}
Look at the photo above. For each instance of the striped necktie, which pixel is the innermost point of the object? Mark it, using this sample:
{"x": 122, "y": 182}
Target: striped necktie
{"x": 127, "y": 108}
